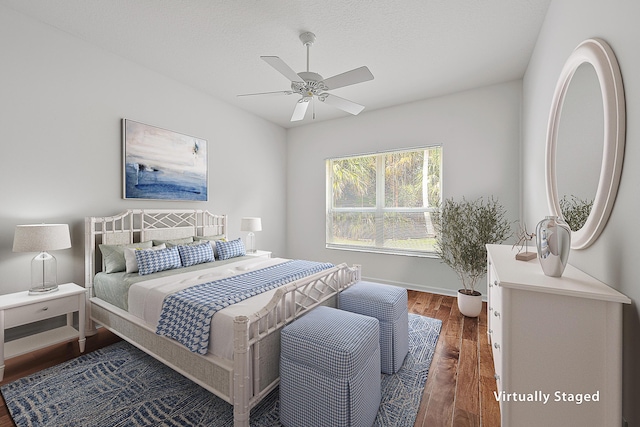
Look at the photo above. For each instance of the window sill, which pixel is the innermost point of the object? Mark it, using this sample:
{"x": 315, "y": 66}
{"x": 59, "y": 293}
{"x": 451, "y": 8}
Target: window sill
{"x": 384, "y": 251}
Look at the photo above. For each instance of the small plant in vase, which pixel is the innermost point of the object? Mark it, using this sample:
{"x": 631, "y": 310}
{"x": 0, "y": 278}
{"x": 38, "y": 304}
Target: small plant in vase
{"x": 463, "y": 229}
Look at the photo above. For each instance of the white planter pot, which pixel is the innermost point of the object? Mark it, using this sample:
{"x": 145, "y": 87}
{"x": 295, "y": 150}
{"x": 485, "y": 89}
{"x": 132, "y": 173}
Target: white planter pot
{"x": 470, "y": 305}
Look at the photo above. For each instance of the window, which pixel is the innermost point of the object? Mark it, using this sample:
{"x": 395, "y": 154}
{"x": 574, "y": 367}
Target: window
{"x": 383, "y": 202}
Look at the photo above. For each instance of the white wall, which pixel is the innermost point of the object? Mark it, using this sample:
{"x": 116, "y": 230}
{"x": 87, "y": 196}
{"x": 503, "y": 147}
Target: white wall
{"x": 613, "y": 257}
{"x": 61, "y": 105}
{"x": 480, "y": 134}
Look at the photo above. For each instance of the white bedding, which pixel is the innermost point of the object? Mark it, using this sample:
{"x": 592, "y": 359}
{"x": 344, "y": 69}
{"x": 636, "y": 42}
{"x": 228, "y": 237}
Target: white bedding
{"x": 146, "y": 297}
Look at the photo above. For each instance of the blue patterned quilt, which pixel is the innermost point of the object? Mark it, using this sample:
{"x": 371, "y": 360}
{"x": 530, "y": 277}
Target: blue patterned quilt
{"x": 186, "y": 315}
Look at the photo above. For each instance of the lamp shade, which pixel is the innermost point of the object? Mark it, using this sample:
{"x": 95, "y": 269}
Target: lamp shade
{"x": 250, "y": 224}
{"x": 41, "y": 237}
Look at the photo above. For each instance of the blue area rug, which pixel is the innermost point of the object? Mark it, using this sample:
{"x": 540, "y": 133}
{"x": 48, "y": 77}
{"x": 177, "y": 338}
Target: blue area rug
{"x": 120, "y": 385}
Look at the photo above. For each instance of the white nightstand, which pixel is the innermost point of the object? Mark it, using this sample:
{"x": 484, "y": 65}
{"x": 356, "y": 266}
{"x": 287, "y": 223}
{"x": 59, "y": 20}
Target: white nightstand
{"x": 258, "y": 253}
{"x": 21, "y": 308}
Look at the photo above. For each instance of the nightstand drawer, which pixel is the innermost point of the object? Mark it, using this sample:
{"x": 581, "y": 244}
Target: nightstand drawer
{"x": 30, "y": 313}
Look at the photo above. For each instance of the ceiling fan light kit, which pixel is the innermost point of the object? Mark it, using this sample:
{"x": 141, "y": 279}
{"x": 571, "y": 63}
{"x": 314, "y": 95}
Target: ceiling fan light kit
{"x": 310, "y": 85}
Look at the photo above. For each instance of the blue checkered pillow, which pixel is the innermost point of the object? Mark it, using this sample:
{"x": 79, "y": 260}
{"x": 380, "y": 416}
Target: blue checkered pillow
{"x": 196, "y": 254}
{"x": 150, "y": 261}
{"x": 230, "y": 249}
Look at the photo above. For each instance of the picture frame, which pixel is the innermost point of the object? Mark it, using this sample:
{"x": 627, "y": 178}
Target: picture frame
{"x": 159, "y": 164}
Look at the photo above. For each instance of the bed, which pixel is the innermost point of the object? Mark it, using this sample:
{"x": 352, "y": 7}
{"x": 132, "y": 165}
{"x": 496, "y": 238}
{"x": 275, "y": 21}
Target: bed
{"x": 241, "y": 365}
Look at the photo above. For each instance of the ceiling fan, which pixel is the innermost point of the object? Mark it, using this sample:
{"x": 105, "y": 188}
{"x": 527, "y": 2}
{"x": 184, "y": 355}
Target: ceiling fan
{"x": 310, "y": 85}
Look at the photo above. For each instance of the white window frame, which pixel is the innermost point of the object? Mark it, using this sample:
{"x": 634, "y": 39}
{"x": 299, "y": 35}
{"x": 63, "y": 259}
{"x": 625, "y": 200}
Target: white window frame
{"x": 379, "y": 210}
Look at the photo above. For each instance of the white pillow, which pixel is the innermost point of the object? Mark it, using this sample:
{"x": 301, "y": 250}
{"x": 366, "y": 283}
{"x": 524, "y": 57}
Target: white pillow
{"x": 130, "y": 257}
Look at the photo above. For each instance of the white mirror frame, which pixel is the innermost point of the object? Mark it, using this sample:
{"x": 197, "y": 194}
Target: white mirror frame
{"x": 597, "y": 53}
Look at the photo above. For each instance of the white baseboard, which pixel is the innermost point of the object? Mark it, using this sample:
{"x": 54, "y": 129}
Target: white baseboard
{"x": 417, "y": 287}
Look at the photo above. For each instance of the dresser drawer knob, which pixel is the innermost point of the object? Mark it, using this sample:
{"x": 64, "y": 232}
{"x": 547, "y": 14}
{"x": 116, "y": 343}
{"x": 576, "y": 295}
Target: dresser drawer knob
{"x": 490, "y": 331}
{"x": 495, "y": 282}
{"x": 495, "y": 313}
{"x": 497, "y": 377}
{"x": 45, "y": 308}
{"x": 496, "y": 345}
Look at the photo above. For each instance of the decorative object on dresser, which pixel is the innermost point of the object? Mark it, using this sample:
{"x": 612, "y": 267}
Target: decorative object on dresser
{"x": 251, "y": 224}
{"x": 42, "y": 238}
{"x": 557, "y": 344}
{"x": 463, "y": 229}
{"x": 553, "y": 242}
{"x": 523, "y": 243}
{"x": 162, "y": 164}
{"x": 22, "y": 308}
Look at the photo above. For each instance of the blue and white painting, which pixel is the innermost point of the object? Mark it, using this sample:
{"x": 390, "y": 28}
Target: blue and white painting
{"x": 161, "y": 164}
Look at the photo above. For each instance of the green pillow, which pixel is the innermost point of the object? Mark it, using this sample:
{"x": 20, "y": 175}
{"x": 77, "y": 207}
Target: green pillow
{"x": 113, "y": 255}
{"x": 174, "y": 242}
{"x": 211, "y": 238}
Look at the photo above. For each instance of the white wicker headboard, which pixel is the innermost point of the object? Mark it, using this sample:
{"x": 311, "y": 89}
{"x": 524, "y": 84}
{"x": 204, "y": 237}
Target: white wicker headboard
{"x": 139, "y": 225}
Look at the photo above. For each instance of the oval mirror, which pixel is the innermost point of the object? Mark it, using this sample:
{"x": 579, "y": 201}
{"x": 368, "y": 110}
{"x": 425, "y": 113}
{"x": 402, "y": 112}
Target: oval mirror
{"x": 585, "y": 141}
{"x": 580, "y": 133}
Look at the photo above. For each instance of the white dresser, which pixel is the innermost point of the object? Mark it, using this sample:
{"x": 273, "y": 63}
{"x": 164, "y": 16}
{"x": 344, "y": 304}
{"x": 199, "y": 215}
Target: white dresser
{"x": 557, "y": 344}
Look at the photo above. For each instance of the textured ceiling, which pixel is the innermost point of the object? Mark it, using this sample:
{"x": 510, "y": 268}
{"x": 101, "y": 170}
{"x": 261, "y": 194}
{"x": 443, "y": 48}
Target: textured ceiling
{"x": 416, "y": 49}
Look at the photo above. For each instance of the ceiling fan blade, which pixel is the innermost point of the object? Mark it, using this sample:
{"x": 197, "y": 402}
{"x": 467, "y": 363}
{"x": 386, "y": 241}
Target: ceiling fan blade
{"x": 278, "y": 92}
{"x": 343, "y": 104}
{"x": 300, "y": 110}
{"x": 357, "y": 75}
{"x": 282, "y": 67}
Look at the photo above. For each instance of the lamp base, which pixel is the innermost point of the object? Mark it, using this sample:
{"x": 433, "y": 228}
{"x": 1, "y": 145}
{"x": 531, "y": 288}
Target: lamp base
{"x": 45, "y": 289}
{"x": 251, "y": 243}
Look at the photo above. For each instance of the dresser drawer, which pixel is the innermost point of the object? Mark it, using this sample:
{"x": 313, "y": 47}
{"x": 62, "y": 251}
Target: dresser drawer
{"x": 30, "y": 313}
{"x": 494, "y": 305}
{"x": 497, "y": 364}
{"x": 495, "y": 313}
{"x": 495, "y": 324}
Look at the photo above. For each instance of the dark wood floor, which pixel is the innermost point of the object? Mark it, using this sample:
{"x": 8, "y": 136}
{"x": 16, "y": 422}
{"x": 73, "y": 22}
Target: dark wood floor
{"x": 459, "y": 389}
{"x": 460, "y": 385}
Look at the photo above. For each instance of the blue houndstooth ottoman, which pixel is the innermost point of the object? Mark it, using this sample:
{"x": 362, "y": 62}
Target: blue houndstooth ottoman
{"x": 388, "y": 304}
{"x": 330, "y": 370}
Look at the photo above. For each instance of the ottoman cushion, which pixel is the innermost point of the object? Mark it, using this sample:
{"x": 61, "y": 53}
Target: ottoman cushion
{"x": 388, "y": 304}
{"x": 330, "y": 370}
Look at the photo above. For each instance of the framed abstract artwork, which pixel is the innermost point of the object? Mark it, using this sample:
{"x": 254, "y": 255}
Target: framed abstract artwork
{"x": 160, "y": 164}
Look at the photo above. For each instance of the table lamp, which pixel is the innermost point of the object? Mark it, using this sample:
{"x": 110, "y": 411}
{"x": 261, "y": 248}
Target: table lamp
{"x": 251, "y": 224}
{"x": 42, "y": 238}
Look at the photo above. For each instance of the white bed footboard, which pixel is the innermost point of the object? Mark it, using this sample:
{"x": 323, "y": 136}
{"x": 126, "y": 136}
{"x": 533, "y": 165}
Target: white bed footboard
{"x": 289, "y": 302}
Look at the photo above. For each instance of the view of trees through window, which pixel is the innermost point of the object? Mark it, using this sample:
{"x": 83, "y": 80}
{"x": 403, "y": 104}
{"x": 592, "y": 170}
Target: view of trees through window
{"x": 383, "y": 202}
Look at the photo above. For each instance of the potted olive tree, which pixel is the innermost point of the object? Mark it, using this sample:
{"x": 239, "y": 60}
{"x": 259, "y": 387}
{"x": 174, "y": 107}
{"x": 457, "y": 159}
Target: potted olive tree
{"x": 463, "y": 228}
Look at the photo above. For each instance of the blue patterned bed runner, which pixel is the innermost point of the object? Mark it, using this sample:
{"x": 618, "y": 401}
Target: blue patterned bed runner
{"x": 186, "y": 315}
